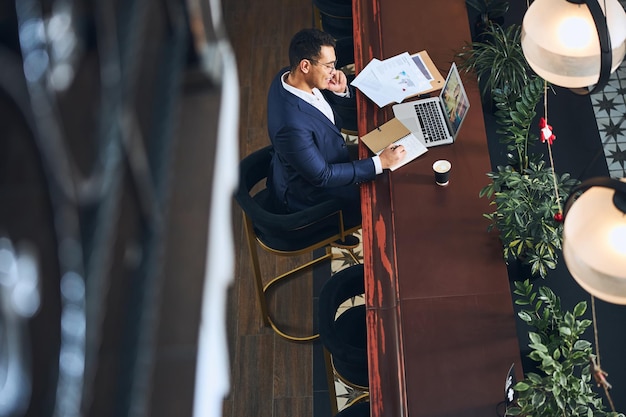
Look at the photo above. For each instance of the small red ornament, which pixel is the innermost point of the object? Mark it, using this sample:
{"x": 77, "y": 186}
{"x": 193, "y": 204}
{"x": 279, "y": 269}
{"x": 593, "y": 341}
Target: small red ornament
{"x": 546, "y": 131}
{"x": 558, "y": 217}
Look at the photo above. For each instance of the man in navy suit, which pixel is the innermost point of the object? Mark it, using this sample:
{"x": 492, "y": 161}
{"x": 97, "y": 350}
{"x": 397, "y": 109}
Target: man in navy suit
{"x": 311, "y": 160}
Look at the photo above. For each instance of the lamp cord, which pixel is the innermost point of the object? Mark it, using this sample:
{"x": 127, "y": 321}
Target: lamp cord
{"x": 545, "y": 116}
{"x": 598, "y": 373}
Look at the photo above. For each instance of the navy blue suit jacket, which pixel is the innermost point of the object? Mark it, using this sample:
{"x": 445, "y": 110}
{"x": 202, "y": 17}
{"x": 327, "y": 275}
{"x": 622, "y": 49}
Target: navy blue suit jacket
{"x": 311, "y": 161}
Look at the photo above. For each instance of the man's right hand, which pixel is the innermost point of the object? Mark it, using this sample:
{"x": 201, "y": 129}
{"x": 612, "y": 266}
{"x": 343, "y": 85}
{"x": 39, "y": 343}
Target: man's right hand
{"x": 392, "y": 155}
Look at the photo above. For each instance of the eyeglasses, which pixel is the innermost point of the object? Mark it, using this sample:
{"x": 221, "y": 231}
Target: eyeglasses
{"x": 329, "y": 65}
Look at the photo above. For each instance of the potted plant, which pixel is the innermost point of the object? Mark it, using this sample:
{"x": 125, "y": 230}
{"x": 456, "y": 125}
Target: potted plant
{"x": 523, "y": 191}
{"x": 487, "y": 11}
{"x": 497, "y": 60}
{"x": 562, "y": 385}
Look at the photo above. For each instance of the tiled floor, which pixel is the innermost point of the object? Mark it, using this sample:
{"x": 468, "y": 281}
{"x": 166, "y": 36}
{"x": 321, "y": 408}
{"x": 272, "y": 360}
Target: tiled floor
{"x": 610, "y": 109}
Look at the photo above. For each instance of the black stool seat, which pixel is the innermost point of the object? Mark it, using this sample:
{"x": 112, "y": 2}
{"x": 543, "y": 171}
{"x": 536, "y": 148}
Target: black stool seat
{"x": 345, "y": 336}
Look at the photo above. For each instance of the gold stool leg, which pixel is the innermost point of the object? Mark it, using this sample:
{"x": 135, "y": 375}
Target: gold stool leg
{"x": 263, "y": 289}
{"x": 330, "y": 378}
{"x": 326, "y": 256}
{"x": 258, "y": 280}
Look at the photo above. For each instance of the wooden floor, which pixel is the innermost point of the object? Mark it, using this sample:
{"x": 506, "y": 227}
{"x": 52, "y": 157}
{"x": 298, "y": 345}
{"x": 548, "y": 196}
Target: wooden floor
{"x": 270, "y": 376}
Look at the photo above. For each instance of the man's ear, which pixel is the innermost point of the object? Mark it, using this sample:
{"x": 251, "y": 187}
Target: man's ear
{"x": 305, "y": 66}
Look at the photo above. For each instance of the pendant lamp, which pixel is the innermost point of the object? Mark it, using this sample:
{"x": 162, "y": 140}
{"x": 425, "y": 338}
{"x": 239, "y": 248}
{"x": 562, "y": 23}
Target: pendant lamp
{"x": 574, "y": 43}
{"x": 594, "y": 237}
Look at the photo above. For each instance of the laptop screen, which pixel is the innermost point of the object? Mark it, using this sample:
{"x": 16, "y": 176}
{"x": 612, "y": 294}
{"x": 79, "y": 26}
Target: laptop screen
{"x": 454, "y": 99}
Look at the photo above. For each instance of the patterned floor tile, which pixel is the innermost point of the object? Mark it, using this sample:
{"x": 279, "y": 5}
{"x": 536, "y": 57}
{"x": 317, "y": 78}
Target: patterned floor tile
{"x": 610, "y": 109}
{"x": 616, "y": 159}
{"x": 609, "y": 104}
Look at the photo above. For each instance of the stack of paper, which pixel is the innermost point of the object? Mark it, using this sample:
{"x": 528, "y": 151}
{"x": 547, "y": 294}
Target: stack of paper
{"x": 393, "y": 79}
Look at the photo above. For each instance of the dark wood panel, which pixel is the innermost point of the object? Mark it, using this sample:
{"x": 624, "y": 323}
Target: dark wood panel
{"x": 252, "y": 370}
{"x": 447, "y": 248}
{"x": 293, "y": 407}
{"x": 386, "y": 368}
{"x": 438, "y": 27}
{"x": 295, "y": 380}
{"x": 292, "y": 299}
{"x": 461, "y": 350}
{"x": 270, "y": 377}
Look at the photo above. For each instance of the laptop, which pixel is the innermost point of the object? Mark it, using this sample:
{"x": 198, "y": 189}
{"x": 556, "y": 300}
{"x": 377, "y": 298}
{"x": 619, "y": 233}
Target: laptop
{"x": 437, "y": 120}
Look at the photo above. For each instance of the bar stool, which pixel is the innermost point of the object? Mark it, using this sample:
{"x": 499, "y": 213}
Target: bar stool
{"x": 343, "y": 332}
{"x": 281, "y": 234}
{"x": 333, "y": 17}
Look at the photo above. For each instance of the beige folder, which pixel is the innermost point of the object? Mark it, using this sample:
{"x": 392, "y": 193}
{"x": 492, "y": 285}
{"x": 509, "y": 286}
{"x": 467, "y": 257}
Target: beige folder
{"x": 437, "y": 82}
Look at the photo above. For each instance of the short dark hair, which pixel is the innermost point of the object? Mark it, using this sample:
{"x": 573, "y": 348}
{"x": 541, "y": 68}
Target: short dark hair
{"x": 307, "y": 44}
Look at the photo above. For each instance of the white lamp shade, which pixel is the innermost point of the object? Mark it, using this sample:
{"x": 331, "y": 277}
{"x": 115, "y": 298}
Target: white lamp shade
{"x": 560, "y": 41}
{"x": 594, "y": 244}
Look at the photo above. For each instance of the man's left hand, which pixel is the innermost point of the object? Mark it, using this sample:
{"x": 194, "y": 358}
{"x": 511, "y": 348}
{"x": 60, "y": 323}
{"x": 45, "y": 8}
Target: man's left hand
{"x": 339, "y": 82}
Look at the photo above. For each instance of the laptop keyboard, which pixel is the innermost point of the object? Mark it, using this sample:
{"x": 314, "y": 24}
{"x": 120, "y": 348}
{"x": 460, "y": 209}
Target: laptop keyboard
{"x": 429, "y": 117}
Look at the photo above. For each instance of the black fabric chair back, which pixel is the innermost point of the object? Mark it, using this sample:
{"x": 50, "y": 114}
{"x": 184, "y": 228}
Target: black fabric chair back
{"x": 336, "y": 17}
{"x": 339, "y": 8}
{"x": 345, "y": 107}
{"x": 344, "y": 49}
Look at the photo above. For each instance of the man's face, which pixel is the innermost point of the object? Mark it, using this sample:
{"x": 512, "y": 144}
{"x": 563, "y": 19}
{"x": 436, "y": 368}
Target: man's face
{"x": 322, "y": 69}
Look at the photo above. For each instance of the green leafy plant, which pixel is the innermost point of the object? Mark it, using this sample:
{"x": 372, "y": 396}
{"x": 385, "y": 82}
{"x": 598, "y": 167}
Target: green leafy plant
{"x": 523, "y": 192}
{"x": 514, "y": 115}
{"x": 564, "y": 385}
{"x": 497, "y": 60}
{"x": 524, "y": 215}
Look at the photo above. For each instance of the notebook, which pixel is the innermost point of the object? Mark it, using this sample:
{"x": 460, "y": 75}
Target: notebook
{"x": 437, "y": 120}
{"x": 394, "y": 132}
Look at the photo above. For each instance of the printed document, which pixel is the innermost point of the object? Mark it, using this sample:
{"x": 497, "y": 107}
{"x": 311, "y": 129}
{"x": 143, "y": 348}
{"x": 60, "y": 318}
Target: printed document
{"x": 391, "y": 80}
